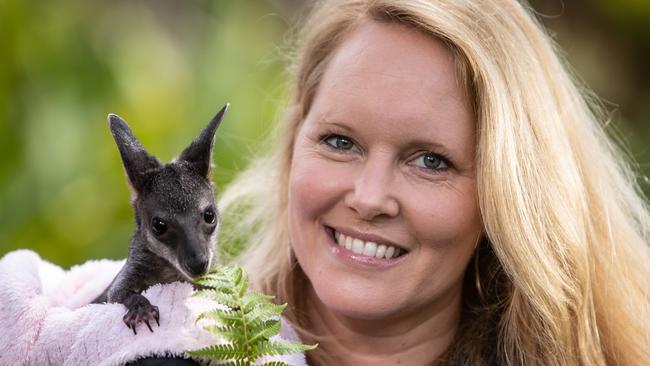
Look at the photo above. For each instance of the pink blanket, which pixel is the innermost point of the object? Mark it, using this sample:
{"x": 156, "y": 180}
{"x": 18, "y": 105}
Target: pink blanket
{"x": 46, "y": 318}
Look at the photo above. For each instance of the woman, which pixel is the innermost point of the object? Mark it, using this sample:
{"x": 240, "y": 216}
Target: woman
{"x": 441, "y": 192}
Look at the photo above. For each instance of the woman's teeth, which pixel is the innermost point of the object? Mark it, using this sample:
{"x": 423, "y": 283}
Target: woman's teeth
{"x": 368, "y": 249}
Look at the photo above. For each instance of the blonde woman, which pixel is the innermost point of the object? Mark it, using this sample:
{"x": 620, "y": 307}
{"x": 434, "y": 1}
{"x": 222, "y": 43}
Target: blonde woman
{"x": 441, "y": 192}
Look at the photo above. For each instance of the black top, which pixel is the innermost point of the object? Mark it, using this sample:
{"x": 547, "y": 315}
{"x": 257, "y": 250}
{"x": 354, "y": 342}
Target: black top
{"x": 163, "y": 361}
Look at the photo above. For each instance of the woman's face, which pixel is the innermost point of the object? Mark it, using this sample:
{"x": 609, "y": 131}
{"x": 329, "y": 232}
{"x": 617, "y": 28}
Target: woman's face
{"x": 383, "y": 213}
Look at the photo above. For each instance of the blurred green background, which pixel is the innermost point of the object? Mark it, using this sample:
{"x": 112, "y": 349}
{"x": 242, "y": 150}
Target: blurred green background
{"x": 167, "y": 67}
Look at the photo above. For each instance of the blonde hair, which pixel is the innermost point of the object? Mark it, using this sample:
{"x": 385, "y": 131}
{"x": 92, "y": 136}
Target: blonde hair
{"x": 565, "y": 267}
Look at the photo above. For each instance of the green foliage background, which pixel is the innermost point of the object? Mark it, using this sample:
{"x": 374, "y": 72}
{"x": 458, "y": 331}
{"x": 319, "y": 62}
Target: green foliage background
{"x": 167, "y": 67}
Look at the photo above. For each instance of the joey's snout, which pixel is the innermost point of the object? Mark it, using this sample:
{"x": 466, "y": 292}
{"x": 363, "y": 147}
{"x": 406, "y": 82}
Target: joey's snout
{"x": 195, "y": 258}
{"x": 191, "y": 240}
{"x": 197, "y": 266}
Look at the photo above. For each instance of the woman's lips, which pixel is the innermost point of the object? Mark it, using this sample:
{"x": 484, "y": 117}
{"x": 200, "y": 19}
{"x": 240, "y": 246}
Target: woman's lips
{"x": 364, "y": 253}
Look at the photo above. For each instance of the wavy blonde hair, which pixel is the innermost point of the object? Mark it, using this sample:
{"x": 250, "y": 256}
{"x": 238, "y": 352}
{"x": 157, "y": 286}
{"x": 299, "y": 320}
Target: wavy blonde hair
{"x": 565, "y": 267}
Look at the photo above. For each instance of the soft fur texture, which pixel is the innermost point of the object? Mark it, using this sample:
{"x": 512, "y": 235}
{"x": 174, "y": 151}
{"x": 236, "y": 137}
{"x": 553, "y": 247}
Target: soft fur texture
{"x": 46, "y": 318}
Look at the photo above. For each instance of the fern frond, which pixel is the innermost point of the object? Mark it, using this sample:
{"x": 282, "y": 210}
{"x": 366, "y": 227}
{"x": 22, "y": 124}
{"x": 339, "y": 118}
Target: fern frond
{"x": 264, "y": 330}
{"x": 265, "y": 311}
{"x": 220, "y": 352}
{"x": 241, "y": 282}
{"x": 212, "y": 281}
{"x": 234, "y": 363}
{"x": 233, "y": 335}
{"x": 220, "y": 297}
{"x": 251, "y": 299}
{"x": 248, "y": 325}
{"x": 278, "y": 348}
{"x": 225, "y": 317}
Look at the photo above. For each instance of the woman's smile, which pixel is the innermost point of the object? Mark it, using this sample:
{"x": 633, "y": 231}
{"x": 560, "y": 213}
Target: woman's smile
{"x": 364, "y": 250}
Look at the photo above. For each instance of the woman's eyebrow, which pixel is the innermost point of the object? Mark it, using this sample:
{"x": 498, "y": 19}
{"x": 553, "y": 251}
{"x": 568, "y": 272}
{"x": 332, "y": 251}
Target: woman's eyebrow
{"x": 347, "y": 127}
{"x": 430, "y": 145}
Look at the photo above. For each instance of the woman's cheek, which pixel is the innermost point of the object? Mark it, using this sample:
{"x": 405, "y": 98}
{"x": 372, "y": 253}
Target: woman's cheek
{"x": 447, "y": 216}
{"x": 316, "y": 184}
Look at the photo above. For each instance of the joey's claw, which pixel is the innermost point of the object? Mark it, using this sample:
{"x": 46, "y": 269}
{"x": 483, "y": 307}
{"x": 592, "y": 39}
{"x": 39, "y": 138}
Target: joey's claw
{"x": 129, "y": 320}
{"x": 148, "y": 326}
{"x": 141, "y": 311}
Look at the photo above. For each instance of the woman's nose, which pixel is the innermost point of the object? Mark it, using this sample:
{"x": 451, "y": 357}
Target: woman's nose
{"x": 373, "y": 192}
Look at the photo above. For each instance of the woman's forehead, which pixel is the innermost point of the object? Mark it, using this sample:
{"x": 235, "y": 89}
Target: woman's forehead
{"x": 395, "y": 77}
{"x": 390, "y": 64}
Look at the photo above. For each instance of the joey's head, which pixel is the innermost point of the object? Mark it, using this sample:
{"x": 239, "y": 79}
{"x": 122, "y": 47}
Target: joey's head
{"x": 176, "y": 215}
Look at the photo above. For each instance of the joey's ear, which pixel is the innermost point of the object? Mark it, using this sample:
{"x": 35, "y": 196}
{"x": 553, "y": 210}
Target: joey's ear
{"x": 199, "y": 153}
{"x": 135, "y": 159}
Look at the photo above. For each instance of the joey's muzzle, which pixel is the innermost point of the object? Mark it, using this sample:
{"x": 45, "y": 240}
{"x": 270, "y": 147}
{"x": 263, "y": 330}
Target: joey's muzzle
{"x": 197, "y": 266}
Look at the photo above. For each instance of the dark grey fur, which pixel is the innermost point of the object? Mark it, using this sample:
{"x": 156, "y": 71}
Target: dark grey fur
{"x": 179, "y": 194}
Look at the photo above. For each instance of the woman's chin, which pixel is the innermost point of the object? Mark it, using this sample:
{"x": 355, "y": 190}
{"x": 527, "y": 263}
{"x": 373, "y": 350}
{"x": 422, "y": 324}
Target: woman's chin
{"x": 364, "y": 305}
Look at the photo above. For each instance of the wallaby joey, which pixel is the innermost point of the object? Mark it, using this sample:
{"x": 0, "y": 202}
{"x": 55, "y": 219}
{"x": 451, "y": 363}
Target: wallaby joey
{"x": 176, "y": 220}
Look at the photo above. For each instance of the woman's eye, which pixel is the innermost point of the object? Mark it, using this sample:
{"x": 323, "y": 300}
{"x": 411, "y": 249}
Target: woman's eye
{"x": 431, "y": 161}
{"x": 339, "y": 142}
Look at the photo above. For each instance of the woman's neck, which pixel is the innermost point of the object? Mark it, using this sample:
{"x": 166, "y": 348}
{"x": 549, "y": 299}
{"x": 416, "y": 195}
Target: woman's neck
{"x": 418, "y": 337}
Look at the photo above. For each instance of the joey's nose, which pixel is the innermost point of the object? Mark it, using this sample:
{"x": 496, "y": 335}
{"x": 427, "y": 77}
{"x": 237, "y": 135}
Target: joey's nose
{"x": 197, "y": 266}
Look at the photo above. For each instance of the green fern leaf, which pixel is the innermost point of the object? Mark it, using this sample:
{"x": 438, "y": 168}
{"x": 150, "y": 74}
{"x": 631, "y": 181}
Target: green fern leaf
{"x": 233, "y": 335}
{"x": 248, "y": 324}
{"x": 220, "y": 297}
{"x": 220, "y": 352}
{"x": 265, "y": 311}
{"x": 277, "y": 348}
{"x": 241, "y": 282}
{"x": 251, "y": 299}
{"x": 235, "y": 363}
{"x": 264, "y": 330}
{"x": 225, "y": 317}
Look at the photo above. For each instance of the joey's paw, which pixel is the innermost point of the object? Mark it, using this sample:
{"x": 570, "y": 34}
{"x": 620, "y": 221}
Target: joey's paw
{"x": 141, "y": 312}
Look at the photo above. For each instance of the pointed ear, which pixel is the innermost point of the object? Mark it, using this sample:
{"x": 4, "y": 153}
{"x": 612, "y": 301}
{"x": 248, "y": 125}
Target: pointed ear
{"x": 199, "y": 153}
{"x": 135, "y": 159}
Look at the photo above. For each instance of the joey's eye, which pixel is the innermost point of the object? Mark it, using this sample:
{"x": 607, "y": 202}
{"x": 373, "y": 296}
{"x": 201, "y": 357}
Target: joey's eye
{"x": 158, "y": 226}
{"x": 431, "y": 161}
{"x": 339, "y": 142}
{"x": 209, "y": 216}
